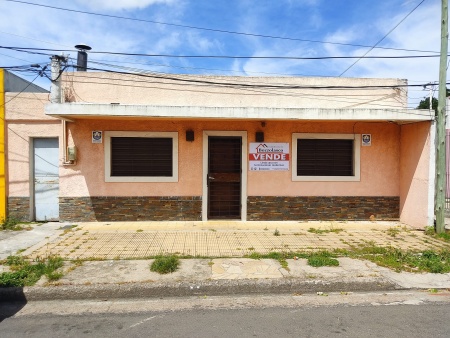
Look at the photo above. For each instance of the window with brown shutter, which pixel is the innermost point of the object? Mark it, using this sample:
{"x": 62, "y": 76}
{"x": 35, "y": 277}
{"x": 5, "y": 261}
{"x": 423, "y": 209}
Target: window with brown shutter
{"x": 324, "y": 157}
{"x": 141, "y": 157}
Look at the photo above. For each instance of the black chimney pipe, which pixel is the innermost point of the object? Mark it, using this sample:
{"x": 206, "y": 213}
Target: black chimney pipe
{"x": 82, "y": 57}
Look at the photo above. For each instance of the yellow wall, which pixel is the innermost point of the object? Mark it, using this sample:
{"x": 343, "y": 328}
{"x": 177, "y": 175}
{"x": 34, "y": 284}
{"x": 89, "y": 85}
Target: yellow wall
{"x": 2, "y": 147}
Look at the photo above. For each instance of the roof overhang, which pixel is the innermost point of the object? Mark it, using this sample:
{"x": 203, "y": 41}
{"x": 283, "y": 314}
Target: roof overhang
{"x": 73, "y": 111}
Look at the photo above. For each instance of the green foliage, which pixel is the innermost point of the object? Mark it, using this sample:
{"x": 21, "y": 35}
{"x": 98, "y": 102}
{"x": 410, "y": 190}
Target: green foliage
{"x": 322, "y": 258}
{"x": 165, "y": 264}
{"x": 429, "y": 231}
{"x": 324, "y": 231}
{"x": 442, "y": 236}
{"x": 10, "y": 223}
{"x": 276, "y": 232}
{"x": 24, "y": 273}
{"x": 394, "y": 258}
{"x": 425, "y": 103}
{"x": 393, "y": 232}
{"x": 435, "y": 261}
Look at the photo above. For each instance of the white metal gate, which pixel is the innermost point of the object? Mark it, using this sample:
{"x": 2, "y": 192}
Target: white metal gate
{"x": 46, "y": 179}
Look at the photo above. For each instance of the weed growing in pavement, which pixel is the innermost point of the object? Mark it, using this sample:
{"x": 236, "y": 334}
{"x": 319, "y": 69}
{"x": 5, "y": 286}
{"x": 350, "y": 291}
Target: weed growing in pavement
{"x": 393, "y": 232}
{"x": 322, "y": 258}
{"x": 10, "y": 223}
{"x": 430, "y": 231}
{"x": 445, "y": 236}
{"x": 139, "y": 230}
{"x": 276, "y": 232}
{"x": 324, "y": 231}
{"x": 165, "y": 264}
{"x": 25, "y": 273}
{"x": 399, "y": 260}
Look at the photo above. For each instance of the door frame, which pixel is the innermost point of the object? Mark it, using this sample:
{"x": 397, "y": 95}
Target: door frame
{"x": 31, "y": 171}
{"x": 243, "y": 135}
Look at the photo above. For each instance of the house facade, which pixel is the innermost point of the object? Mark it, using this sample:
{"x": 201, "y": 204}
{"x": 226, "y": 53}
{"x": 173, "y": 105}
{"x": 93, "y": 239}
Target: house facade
{"x": 122, "y": 147}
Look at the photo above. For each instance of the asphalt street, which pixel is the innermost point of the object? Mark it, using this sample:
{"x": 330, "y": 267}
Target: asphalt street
{"x": 395, "y": 314}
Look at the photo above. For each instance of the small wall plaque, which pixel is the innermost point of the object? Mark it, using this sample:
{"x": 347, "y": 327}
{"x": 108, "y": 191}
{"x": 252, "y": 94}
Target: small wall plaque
{"x": 97, "y": 136}
{"x": 366, "y": 139}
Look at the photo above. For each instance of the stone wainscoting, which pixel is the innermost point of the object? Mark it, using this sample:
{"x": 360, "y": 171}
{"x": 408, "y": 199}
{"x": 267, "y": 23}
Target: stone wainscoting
{"x": 275, "y": 208}
{"x": 19, "y": 208}
{"x": 133, "y": 208}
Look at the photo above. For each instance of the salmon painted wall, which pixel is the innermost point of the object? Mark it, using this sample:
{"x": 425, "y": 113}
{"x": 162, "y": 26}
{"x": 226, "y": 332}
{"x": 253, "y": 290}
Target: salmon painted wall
{"x": 379, "y": 163}
{"x": 414, "y": 174}
{"x": 25, "y": 120}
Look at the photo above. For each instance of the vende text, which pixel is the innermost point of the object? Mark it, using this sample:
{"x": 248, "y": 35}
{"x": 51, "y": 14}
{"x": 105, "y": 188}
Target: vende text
{"x": 269, "y": 157}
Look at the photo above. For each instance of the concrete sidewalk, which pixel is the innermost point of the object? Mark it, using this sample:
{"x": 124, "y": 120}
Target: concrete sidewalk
{"x": 133, "y": 240}
{"x": 117, "y": 257}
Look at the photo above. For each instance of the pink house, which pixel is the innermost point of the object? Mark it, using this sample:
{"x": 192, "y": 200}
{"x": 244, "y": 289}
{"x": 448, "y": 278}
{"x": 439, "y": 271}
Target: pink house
{"x": 182, "y": 147}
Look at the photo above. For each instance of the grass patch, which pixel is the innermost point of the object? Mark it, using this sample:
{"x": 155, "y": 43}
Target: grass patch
{"x": 393, "y": 232}
{"x": 165, "y": 264}
{"x": 324, "y": 231}
{"x": 323, "y": 258}
{"x": 25, "y": 273}
{"x": 445, "y": 236}
{"x": 10, "y": 223}
{"x": 434, "y": 261}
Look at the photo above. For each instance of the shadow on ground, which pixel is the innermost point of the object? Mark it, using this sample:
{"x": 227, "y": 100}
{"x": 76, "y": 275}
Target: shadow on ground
{"x": 13, "y": 300}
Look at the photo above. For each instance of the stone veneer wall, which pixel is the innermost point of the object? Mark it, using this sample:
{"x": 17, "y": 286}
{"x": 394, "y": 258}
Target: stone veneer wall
{"x": 19, "y": 208}
{"x": 275, "y": 208}
{"x": 136, "y": 208}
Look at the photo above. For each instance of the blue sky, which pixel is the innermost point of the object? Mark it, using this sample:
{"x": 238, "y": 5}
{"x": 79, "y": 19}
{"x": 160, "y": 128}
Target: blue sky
{"x": 357, "y": 22}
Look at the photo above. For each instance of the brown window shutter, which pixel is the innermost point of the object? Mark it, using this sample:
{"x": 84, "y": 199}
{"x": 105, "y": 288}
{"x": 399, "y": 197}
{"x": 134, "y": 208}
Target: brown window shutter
{"x": 324, "y": 157}
{"x": 141, "y": 156}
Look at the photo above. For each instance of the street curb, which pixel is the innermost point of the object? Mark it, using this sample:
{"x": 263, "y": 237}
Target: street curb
{"x": 186, "y": 289}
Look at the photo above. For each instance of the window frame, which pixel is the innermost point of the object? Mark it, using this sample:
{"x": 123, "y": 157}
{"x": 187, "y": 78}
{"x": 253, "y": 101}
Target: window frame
{"x": 141, "y": 134}
{"x": 319, "y": 136}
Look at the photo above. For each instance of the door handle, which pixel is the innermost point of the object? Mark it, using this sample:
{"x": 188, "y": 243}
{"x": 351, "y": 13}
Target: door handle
{"x": 211, "y": 178}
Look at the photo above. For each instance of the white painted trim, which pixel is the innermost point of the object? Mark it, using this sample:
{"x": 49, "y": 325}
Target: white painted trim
{"x": 432, "y": 175}
{"x": 356, "y": 164}
{"x": 109, "y": 134}
{"x": 80, "y": 110}
{"x": 244, "y": 162}
{"x": 31, "y": 176}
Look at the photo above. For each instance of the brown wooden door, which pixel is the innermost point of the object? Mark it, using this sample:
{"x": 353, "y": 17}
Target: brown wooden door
{"x": 224, "y": 177}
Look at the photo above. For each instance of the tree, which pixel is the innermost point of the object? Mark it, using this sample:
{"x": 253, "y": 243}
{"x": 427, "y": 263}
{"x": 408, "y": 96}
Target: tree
{"x": 425, "y": 103}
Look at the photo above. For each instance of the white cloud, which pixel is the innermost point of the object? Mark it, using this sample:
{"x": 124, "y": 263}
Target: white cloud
{"x": 122, "y": 4}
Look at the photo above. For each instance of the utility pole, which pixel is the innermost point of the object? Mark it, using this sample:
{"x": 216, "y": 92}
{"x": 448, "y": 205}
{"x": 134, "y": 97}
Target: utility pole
{"x": 440, "y": 124}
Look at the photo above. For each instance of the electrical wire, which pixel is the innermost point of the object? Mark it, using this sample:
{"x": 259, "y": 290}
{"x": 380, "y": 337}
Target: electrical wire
{"x": 30, "y": 49}
{"x": 379, "y": 41}
{"x": 134, "y": 81}
{"x": 212, "y": 29}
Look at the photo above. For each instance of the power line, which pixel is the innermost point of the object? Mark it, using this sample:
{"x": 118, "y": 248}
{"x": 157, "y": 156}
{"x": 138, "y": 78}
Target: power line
{"x": 172, "y": 77}
{"x": 252, "y": 88}
{"x": 29, "y": 84}
{"x": 379, "y": 41}
{"x": 30, "y": 49}
{"x": 212, "y": 29}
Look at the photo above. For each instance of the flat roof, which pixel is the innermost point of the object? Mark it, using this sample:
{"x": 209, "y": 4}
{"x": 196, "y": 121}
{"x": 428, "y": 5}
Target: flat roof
{"x": 73, "y": 111}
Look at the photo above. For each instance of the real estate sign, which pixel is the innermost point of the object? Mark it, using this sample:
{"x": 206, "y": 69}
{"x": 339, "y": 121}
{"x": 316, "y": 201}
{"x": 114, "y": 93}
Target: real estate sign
{"x": 269, "y": 156}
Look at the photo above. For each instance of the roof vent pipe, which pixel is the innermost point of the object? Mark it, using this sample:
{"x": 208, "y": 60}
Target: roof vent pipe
{"x": 82, "y": 57}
